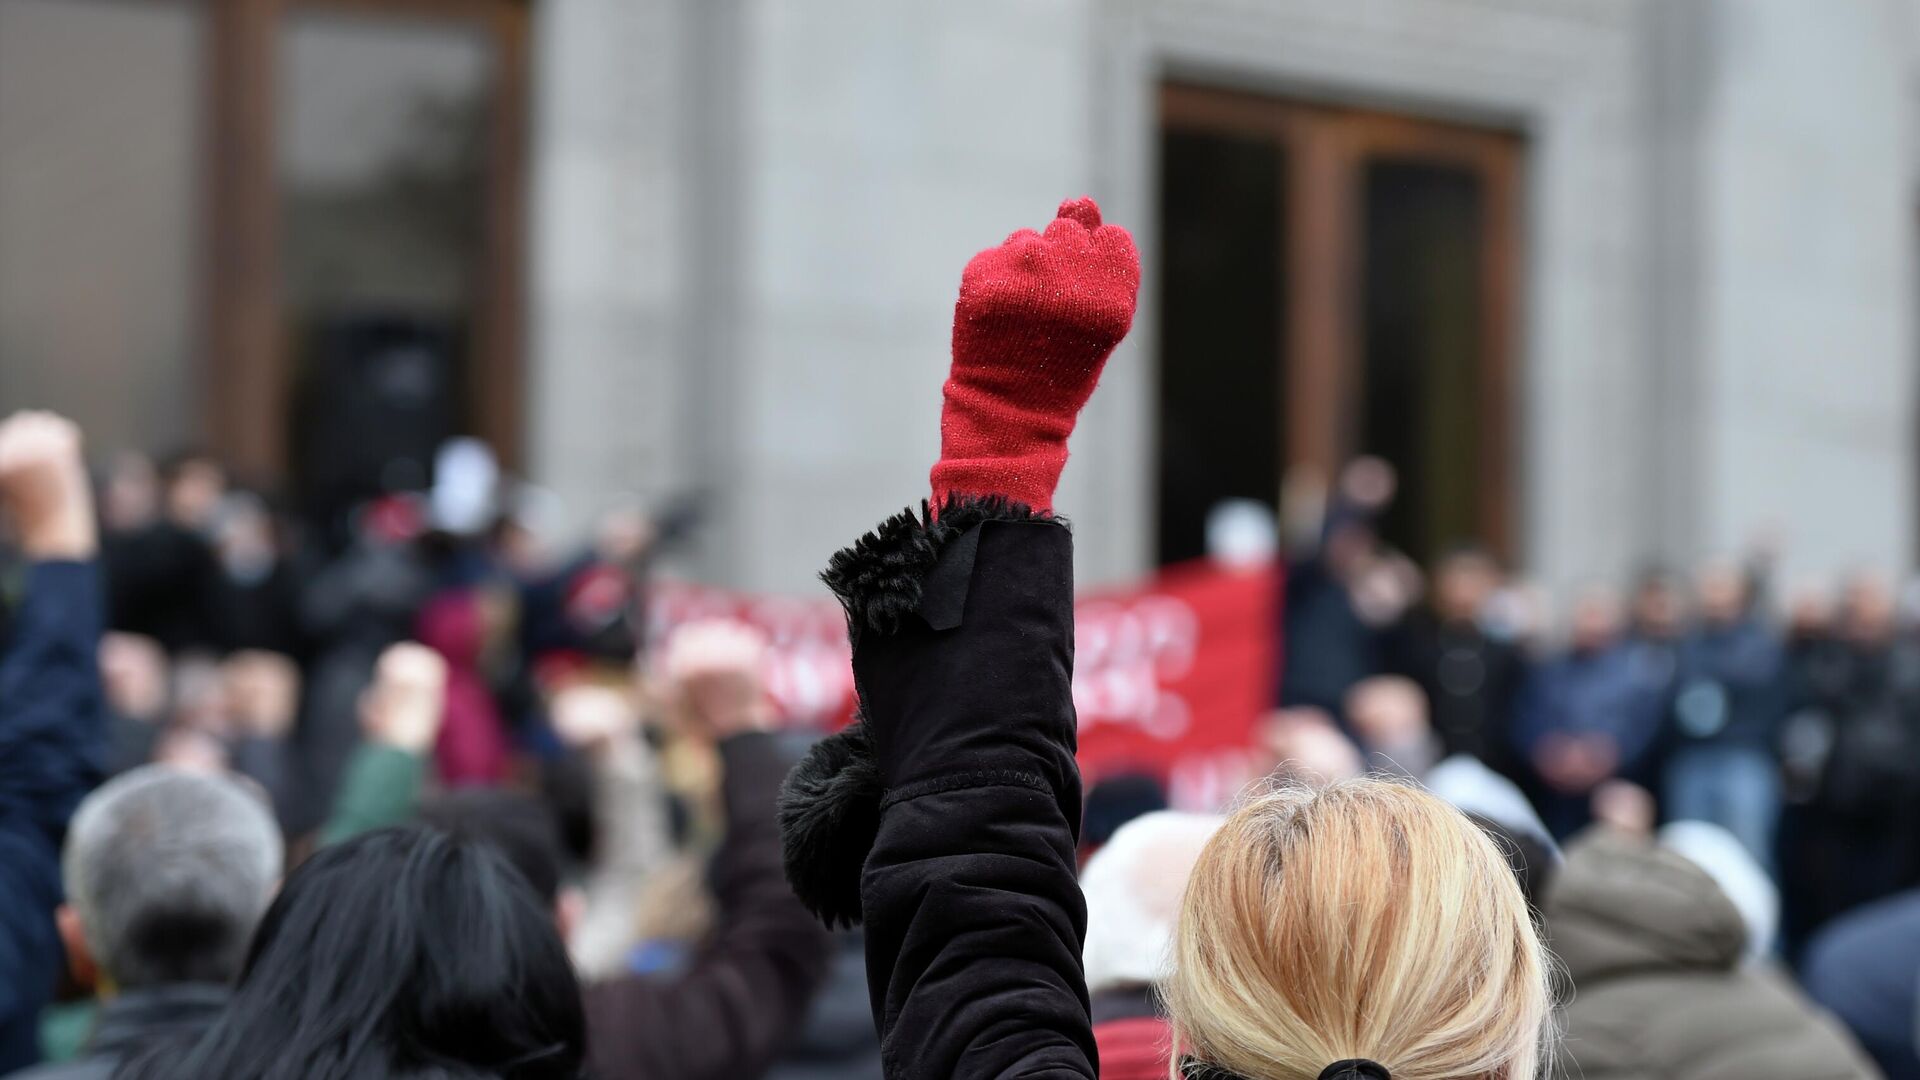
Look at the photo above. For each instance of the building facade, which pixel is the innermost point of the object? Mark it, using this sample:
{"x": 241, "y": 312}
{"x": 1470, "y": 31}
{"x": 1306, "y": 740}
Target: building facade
{"x": 1610, "y": 280}
{"x": 750, "y": 217}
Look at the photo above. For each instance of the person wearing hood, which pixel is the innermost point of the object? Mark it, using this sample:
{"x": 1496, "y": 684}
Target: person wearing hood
{"x": 1663, "y": 984}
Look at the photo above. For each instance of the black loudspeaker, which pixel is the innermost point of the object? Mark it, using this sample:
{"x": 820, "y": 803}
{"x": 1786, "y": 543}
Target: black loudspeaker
{"x": 377, "y": 394}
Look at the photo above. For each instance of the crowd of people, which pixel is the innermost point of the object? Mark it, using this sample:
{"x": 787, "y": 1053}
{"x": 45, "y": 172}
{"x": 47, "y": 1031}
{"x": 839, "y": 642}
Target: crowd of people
{"x": 197, "y": 696}
{"x": 1791, "y": 721}
{"x": 401, "y": 792}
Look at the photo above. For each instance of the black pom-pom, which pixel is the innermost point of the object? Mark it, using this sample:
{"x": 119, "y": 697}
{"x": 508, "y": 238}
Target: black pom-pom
{"x": 829, "y": 815}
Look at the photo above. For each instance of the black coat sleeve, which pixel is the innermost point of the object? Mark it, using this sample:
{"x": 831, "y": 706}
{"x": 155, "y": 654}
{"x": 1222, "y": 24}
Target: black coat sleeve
{"x": 748, "y": 989}
{"x": 963, "y": 656}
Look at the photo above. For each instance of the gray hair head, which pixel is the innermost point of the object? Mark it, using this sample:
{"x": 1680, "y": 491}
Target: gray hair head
{"x": 169, "y": 872}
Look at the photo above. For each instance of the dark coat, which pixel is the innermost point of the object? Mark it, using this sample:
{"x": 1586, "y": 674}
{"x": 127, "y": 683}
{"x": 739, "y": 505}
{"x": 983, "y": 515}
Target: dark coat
{"x": 52, "y": 752}
{"x": 1731, "y": 686}
{"x": 1328, "y": 646}
{"x": 964, "y": 779}
{"x": 1611, "y": 691}
{"x": 748, "y": 988}
{"x": 1863, "y": 966}
{"x": 135, "y": 1021}
{"x": 1471, "y": 679}
{"x": 1654, "y": 951}
{"x": 164, "y": 581}
{"x": 838, "y": 1041}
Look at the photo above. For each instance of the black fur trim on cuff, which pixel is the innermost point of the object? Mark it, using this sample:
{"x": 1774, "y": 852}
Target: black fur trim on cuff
{"x": 879, "y": 578}
{"x": 829, "y": 815}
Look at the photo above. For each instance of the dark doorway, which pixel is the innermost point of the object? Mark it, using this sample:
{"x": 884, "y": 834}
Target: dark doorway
{"x": 1221, "y": 415}
{"x": 1335, "y": 282}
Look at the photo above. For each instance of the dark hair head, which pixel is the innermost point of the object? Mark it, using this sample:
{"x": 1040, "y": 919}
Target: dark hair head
{"x": 567, "y": 785}
{"x": 403, "y": 953}
{"x": 182, "y": 458}
{"x": 1116, "y": 800}
{"x": 519, "y": 827}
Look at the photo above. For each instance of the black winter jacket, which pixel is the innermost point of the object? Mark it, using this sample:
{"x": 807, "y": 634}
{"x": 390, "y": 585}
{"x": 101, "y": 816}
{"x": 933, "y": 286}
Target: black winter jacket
{"x": 948, "y": 819}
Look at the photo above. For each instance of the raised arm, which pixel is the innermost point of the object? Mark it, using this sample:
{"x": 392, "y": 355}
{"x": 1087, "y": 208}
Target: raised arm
{"x": 52, "y": 722}
{"x": 748, "y": 987}
{"x": 400, "y": 714}
{"x": 633, "y": 834}
{"x": 948, "y": 818}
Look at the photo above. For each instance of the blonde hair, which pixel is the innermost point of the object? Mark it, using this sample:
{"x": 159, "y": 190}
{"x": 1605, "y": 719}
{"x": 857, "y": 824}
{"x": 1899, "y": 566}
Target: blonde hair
{"x": 1367, "y": 919}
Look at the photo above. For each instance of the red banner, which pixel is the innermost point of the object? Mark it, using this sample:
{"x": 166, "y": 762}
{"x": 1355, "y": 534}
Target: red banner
{"x": 1170, "y": 678}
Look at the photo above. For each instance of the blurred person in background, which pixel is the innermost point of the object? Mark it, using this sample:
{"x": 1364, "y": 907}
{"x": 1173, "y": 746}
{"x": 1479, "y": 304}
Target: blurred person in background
{"x": 1389, "y": 719}
{"x": 1586, "y": 716}
{"x": 1115, "y": 800}
{"x": 1816, "y": 669}
{"x": 743, "y": 991}
{"x": 838, "y": 1040}
{"x": 53, "y": 736}
{"x": 1133, "y": 886}
{"x": 1728, "y": 704}
{"x": 400, "y": 712}
{"x": 137, "y": 678}
{"x": 1855, "y": 835}
{"x": 193, "y": 483}
{"x": 1663, "y": 987}
{"x": 1657, "y": 633}
{"x": 129, "y": 493}
{"x": 1865, "y": 966}
{"x": 355, "y": 606}
{"x": 1307, "y": 747}
{"x": 1659, "y": 616}
{"x": 1470, "y": 676}
{"x": 721, "y": 1001}
{"x": 166, "y": 872}
{"x": 466, "y": 627}
{"x": 633, "y": 850}
{"x": 1342, "y": 595}
{"x": 259, "y": 588}
{"x": 163, "y": 577}
{"x": 261, "y": 700}
{"x": 589, "y": 607}
{"x": 1498, "y": 806}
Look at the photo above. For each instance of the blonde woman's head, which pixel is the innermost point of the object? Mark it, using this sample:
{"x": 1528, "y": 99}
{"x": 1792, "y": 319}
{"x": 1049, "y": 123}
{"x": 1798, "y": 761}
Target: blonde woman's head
{"x": 1363, "y": 920}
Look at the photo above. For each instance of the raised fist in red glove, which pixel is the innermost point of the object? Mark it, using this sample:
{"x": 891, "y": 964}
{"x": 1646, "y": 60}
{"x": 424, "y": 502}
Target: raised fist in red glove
{"x": 1037, "y": 318}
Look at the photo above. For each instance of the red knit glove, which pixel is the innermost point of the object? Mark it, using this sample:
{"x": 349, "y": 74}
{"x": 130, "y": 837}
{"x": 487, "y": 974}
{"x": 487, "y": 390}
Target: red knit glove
{"x": 1037, "y": 318}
